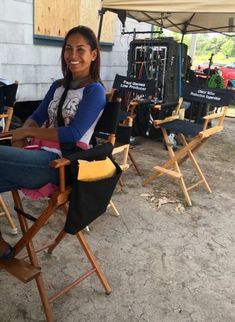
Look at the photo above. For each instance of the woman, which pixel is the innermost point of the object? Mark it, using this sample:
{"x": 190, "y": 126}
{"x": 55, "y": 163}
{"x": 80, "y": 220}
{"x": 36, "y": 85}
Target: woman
{"x": 82, "y": 98}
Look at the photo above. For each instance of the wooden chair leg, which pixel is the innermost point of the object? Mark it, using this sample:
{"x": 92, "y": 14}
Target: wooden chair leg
{"x": 34, "y": 261}
{"x": 56, "y": 241}
{"x": 34, "y": 229}
{"x": 114, "y": 209}
{"x": 196, "y": 167}
{"x": 93, "y": 262}
{"x": 134, "y": 163}
{"x": 177, "y": 168}
{"x": 166, "y": 169}
{"x": 8, "y": 216}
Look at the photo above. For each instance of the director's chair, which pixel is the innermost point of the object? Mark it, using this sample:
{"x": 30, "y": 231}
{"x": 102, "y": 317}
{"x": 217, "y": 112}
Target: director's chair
{"x": 7, "y": 100}
{"x": 192, "y": 137}
{"x": 25, "y": 270}
{"x": 127, "y": 95}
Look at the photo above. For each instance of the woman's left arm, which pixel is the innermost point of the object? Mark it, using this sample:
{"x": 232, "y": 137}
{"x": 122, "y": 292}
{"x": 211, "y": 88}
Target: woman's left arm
{"x": 33, "y": 132}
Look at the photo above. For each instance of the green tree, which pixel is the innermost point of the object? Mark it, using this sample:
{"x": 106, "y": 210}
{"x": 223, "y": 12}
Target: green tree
{"x": 228, "y": 48}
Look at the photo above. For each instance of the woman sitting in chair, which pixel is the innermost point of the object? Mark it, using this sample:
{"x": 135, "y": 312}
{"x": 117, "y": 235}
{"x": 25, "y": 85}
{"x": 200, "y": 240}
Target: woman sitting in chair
{"x": 70, "y": 110}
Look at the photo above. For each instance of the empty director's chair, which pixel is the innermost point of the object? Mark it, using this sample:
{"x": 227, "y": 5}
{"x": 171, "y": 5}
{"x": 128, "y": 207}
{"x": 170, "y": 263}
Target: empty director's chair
{"x": 7, "y": 100}
{"x": 123, "y": 136}
{"x": 26, "y": 270}
{"x": 126, "y": 90}
{"x": 192, "y": 137}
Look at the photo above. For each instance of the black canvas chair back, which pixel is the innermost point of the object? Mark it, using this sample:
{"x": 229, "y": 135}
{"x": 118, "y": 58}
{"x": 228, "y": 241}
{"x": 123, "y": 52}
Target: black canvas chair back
{"x": 7, "y": 101}
{"x": 108, "y": 121}
{"x": 9, "y": 94}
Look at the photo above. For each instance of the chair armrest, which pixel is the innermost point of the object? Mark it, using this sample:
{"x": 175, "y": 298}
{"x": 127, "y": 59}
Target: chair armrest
{"x": 214, "y": 116}
{"x": 58, "y": 163}
{"x": 167, "y": 119}
{"x": 6, "y": 135}
{"x": 2, "y": 116}
{"x": 166, "y": 105}
{"x": 99, "y": 152}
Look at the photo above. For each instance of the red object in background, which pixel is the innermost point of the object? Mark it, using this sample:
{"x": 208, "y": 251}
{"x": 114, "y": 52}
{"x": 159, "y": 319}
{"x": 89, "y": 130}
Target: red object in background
{"x": 228, "y": 72}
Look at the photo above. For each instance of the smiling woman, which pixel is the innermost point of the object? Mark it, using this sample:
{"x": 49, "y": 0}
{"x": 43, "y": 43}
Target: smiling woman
{"x": 66, "y": 117}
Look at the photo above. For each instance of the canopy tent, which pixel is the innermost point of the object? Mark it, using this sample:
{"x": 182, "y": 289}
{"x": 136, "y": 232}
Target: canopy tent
{"x": 184, "y": 16}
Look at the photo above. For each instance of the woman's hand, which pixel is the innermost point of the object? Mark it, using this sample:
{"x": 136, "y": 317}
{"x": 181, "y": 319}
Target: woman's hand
{"x": 19, "y": 143}
{"x": 19, "y": 137}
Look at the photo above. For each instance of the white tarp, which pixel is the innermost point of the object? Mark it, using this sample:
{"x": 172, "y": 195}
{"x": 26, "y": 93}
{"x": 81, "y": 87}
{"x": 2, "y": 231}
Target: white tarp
{"x": 184, "y": 16}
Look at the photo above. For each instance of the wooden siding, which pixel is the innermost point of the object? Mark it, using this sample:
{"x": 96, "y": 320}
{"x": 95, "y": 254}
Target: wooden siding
{"x": 53, "y": 18}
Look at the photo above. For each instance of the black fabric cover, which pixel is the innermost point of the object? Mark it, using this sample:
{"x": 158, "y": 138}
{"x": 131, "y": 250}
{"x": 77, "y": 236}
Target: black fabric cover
{"x": 142, "y": 120}
{"x": 89, "y": 200}
{"x": 216, "y": 97}
{"x": 185, "y": 127}
{"x": 7, "y": 95}
{"x": 123, "y": 134}
{"x": 128, "y": 84}
{"x": 165, "y": 111}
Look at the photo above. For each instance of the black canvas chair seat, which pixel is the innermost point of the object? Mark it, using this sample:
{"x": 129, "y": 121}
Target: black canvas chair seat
{"x": 188, "y": 129}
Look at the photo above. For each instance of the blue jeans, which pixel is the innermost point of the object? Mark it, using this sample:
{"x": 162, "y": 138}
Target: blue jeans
{"x": 20, "y": 168}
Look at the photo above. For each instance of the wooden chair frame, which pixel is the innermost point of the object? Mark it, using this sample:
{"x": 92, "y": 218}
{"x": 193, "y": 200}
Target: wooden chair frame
{"x": 26, "y": 271}
{"x": 127, "y": 158}
{"x": 7, "y": 117}
{"x": 171, "y": 168}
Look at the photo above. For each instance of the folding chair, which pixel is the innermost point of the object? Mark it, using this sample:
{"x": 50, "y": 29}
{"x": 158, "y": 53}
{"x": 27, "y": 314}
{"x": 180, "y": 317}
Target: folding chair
{"x": 125, "y": 90}
{"x": 123, "y": 135}
{"x": 192, "y": 137}
{"x": 26, "y": 271}
{"x": 7, "y": 100}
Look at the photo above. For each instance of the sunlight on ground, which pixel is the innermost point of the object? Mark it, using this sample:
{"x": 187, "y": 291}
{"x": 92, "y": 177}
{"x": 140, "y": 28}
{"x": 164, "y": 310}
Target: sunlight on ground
{"x": 231, "y": 111}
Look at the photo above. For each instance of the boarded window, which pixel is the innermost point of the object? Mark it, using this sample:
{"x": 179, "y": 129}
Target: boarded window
{"x": 53, "y": 18}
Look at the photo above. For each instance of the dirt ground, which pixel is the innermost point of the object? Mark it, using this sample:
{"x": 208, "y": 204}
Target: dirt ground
{"x": 165, "y": 262}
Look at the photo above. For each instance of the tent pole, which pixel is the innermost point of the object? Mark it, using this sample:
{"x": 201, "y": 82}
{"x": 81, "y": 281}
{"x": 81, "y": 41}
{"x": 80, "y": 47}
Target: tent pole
{"x": 101, "y": 14}
{"x": 180, "y": 70}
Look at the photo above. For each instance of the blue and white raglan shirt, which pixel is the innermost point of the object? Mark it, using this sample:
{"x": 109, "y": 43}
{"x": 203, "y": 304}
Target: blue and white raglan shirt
{"x": 81, "y": 111}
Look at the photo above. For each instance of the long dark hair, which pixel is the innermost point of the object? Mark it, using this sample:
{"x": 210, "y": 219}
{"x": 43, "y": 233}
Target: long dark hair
{"x": 90, "y": 36}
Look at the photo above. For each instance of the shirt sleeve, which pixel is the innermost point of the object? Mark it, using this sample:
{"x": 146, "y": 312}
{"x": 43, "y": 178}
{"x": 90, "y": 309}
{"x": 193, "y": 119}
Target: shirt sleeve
{"x": 40, "y": 115}
{"x": 89, "y": 108}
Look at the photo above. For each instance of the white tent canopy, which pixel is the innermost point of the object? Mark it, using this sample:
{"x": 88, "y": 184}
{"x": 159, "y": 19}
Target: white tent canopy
{"x": 184, "y": 16}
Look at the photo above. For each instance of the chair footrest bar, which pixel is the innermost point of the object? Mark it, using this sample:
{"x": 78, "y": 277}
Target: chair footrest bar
{"x": 168, "y": 172}
{"x": 194, "y": 185}
{"x": 22, "y": 270}
{"x": 22, "y": 213}
{"x": 74, "y": 283}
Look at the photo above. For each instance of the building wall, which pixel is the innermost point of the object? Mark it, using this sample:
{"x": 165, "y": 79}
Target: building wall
{"x": 36, "y": 66}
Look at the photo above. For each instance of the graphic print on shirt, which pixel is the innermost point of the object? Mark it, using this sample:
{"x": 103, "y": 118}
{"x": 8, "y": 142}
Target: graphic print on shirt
{"x": 69, "y": 108}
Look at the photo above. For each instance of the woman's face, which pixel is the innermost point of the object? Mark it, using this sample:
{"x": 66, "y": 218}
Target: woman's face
{"x": 78, "y": 56}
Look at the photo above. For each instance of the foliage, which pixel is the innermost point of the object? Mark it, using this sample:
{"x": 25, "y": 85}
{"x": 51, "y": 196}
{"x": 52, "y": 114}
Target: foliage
{"x": 228, "y": 48}
{"x": 221, "y": 46}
